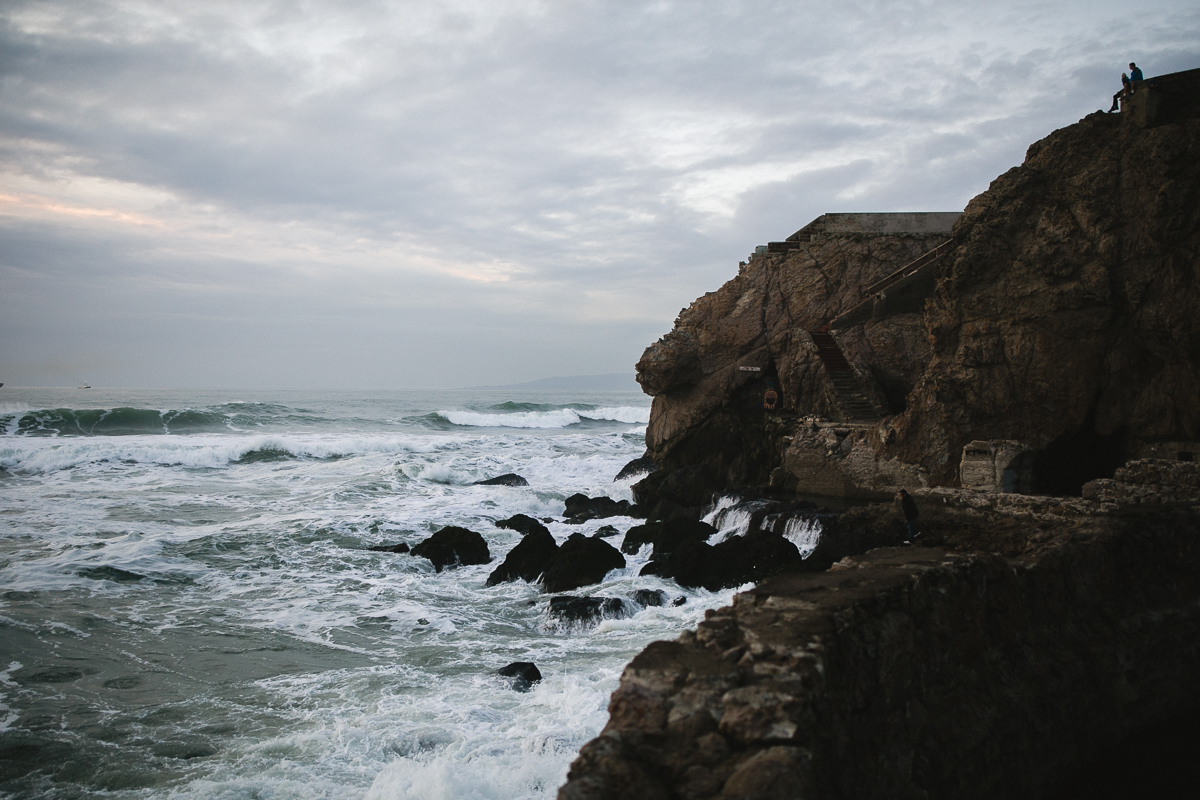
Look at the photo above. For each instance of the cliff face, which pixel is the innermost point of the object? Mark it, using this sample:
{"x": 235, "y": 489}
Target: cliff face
{"x": 1070, "y": 306}
{"x": 915, "y": 672}
{"x": 1066, "y": 316}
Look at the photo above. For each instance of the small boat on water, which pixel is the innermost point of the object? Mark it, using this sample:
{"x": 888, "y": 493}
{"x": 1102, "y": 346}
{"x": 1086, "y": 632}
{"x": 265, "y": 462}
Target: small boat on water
{"x": 86, "y": 385}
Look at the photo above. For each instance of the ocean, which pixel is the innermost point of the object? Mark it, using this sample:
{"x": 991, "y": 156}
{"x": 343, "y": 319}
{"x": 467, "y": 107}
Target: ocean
{"x": 189, "y": 608}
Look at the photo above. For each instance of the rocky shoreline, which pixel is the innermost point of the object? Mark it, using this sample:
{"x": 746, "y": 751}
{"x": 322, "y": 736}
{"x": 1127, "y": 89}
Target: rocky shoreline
{"x": 1029, "y": 372}
{"x": 917, "y": 671}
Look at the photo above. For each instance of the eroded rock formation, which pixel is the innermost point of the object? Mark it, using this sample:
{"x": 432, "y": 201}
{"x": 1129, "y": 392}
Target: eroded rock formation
{"x": 1064, "y": 315}
{"x": 917, "y": 672}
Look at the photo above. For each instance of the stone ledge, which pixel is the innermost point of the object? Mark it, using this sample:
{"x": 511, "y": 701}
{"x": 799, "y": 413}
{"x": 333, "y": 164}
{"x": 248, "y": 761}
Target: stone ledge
{"x": 913, "y": 672}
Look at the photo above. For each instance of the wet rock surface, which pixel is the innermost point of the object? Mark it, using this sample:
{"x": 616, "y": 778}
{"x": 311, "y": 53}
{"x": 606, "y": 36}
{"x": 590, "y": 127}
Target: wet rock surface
{"x": 527, "y": 561}
{"x": 638, "y": 466}
{"x": 953, "y": 674}
{"x": 453, "y": 546}
{"x": 586, "y": 609}
{"x": 523, "y": 675}
{"x": 390, "y": 548}
{"x": 580, "y": 508}
{"x": 507, "y": 479}
{"x": 1073, "y": 279}
{"x": 581, "y": 561}
{"x": 522, "y": 523}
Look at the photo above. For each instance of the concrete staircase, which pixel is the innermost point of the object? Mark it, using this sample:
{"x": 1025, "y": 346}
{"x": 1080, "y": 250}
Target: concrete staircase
{"x": 856, "y": 404}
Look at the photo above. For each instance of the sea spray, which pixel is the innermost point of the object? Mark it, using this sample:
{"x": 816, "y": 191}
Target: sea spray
{"x": 198, "y": 614}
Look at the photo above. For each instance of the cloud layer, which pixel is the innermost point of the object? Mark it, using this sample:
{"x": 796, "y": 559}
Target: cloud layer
{"x": 421, "y": 194}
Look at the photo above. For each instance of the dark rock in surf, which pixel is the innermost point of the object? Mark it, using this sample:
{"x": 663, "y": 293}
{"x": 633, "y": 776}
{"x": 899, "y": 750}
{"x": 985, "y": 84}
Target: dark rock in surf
{"x": 605, "y": 532}
{"x": 586, "y": 609}
{"x": 528, "y": 560}
{"x": 639, "y": 466}
{"x": 453, "y": 546}
{"x": 581, "y": 561}
{"x": 521, "y": 523}
{"x": 666, "y": 536}
{"x": 507, "y": 479}
{"x": 733, "y": 562}
{"x": 650, "y": 597}
{"x": 523, "y": 674}
{"x": 390, "y": 548}
{"x": 580, "y": 508}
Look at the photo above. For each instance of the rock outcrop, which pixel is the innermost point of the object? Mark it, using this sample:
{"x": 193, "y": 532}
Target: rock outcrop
{"x": 453, "y": 546}
{"x": 1058, "y": 334}
{"x": 916, "y": 672}
{"x": 1065, "y": 314}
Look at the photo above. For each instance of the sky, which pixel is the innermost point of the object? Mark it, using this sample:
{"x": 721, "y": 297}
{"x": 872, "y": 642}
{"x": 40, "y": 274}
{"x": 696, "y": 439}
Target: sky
{"x": 419, "y": 195}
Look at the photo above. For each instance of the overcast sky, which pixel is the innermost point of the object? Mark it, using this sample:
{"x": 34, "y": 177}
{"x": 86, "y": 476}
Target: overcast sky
{"x": 417, "y": 194}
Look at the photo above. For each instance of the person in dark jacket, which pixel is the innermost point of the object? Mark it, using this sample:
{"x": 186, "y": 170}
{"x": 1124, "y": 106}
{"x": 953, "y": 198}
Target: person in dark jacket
{"x": 909, "y": 506}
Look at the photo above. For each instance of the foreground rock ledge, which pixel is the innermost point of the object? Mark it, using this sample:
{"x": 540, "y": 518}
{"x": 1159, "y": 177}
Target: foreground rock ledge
{"x": 915, "y": 672}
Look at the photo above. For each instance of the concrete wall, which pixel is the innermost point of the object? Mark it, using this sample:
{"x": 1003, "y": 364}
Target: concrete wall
{"x": 894, "y": 222}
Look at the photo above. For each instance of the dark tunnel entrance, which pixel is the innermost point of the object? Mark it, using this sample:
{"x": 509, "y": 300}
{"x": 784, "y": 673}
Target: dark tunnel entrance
{"x": 1073, "y": 459}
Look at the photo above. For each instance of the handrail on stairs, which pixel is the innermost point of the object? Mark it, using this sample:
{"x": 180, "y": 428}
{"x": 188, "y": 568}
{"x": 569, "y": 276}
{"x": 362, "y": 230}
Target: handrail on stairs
{"x": 908, "y": 269}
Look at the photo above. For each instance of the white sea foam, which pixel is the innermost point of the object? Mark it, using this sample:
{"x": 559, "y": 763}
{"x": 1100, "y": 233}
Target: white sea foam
{"x": 804, "y": 533}
{"x": 731, "y": 517}
{"x": 37, "y": 454}
{"x": 557, "y": 418}
{"x": 7, "y": 715}
{"x": 344, "y": 672}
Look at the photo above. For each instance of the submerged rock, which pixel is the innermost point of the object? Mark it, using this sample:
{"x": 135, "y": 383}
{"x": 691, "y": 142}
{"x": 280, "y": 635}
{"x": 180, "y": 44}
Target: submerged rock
{"x": 650, "y": 597}
{"x": 586, "y": 609}
{"x": 639, "y": 466}
{"x": 581, "y": 561}
{"x": 580, "y": 508}
{"x": 453, "y": 546}
{"x": 523, "y": 673}
{"x": 733, "y": 562}
{"x": 521, "y": 523}
{"x": 528, "y": 560}
{"x": 507, "y": 479}
{"x": 666, "y": 536}
{"x": 390, "y": 548}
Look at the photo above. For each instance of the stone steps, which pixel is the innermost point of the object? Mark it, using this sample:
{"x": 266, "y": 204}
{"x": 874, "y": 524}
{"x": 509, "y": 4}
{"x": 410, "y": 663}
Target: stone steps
{"x": 855, "y": 403}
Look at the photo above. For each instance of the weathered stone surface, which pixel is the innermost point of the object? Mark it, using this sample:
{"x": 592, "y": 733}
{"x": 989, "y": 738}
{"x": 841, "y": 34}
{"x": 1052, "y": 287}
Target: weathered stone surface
{"x": 666, "y": 536}
{"x": 524, "y": 674}
{"x": 507, "y": 479}
{"x": 529, "y": 560}
{"x": 453, "y": 546}
{"x": 522, "y": 523}
{"x": 1074, "y": 279}
{"x": 639, "y": 466}
{"x": 1075, "y": 282}
{"x": 580, "y": 508}
{"x": 390, "y": 548}
{"x": 586, "y": 609}
{"x": 581, "y": 561}
{"x": 917, "y": 672}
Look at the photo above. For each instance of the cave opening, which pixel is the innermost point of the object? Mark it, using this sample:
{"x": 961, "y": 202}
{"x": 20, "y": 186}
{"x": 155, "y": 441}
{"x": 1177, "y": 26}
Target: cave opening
{"x": 1067, "y": 463}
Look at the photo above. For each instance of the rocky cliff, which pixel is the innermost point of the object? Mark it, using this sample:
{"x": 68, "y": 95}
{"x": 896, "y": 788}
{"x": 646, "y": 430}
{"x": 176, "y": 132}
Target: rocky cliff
{"x": 1063, "y": 316}
{"x": 1029, "y": 634}
{"x": 918, "y": 672}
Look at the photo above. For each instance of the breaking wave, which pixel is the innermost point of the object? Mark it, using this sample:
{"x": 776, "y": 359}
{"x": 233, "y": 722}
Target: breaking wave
{"x": 520, "y": 415}
{"x": 125, "y": 421}
{"x": 211, "y": 452}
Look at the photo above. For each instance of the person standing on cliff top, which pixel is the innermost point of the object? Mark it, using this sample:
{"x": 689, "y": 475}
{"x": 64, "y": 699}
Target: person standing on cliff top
{"x": 909, "y": 507}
